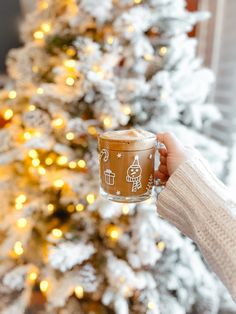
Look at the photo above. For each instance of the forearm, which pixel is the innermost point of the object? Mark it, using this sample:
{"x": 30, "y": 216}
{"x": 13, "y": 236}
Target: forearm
{"x": 200, "y": 206}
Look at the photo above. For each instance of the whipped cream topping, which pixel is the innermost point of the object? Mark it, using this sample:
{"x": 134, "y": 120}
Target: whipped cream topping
{"x": 132, "y": 134}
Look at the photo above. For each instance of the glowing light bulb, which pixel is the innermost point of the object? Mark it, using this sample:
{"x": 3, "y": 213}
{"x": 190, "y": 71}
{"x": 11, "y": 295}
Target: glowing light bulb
{"x": 125, "y": 209}
{"x": 70, "y": 136}
{"x": 110, "y": 40}
{"x": 79, "y": 292}
{"x": 35, "y": 162}
{"x": 62, "y": 160}
{"x": 71, "y": 52}
{"x": 72, "y": 164}
{"x": 151, "y": 305}
{"x": 43, "y": 5}
{"x": 32, "y": 107}
{"x": 162, "y": 51}
{"x": 21, "y": 198}
{"x": 39, "y": 91}
{"x": 130, "y": 28}
{"x": 70, "y": 63}
{"x": 92, "y": 130}
{"x": 81, "y": 163}
{"x": 18, "y": 206}
{"x": 58, "y": 122}
{"x": 50, "y": 208}
{"x": 41, "y": 171}
{"x": 12, "y": 94}
{"x": 137, "y": 1}
{"x": 8, "y": 114}
{"x": 90, "y": 198}
{"x": 107, "y": 122}
{"x": 58, "y": 183}
{"x": 18, "y": 249}
{"x": 48, "y": 161}
{"x": 114, "y": 232}
{"x": 35, "y": 69}
{"x": 79, "y": 207}
{"x": 27, "y": 136}
{"x": 46, "y": 27}
{"x": 161, "y": 245}
{"x": 33, "y": 276}
{"x": 32, "y": 153}
{"x": 21, "y": 223}
{"x": 148, "y": 57}
{"x": 70, "y": 208}
{"x": 38, "y": 35}
{"x": 57, "y": 233}
{"x": 44, "y": 285}
{"x": 126, "y": 110}
{"x": 70, "y": 81}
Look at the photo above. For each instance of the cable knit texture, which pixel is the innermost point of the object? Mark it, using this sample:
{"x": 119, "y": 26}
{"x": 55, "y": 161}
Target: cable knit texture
{"x": 199, "y": 205}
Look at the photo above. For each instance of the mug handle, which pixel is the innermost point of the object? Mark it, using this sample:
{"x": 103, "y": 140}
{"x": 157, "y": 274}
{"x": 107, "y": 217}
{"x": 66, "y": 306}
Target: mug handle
{"x": 158, "y": 182}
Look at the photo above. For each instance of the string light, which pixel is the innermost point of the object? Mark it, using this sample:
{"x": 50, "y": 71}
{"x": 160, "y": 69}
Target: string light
{"x": 70, "y": 208}
{"x": 27, "y": 135}
{"x": 114, "y": 232}
{"x": 79, "y": 207}
{"x": 162, "y": 51}
{"x": 58, "y": 183}
{"x": 12, "y": 94}
{"x": 58, "y": 122}
{"x": 43, "y": 5}
{"x": 72, "y": 164}
{"x": 107, "y": 121}
{"x": 137, "y": 1}
{"x": 57, "y": 233}
{"x": 151, "y": 305}
{"x": 48, "y": 161}
{"x": 18, "y": 206}
{"x": 92, "y": 130}
{"x": 32, "y": 107}
{"x": 38, "y": 35}
{"x": 35, "y": 69}
{"x": 110, "y": 40}
{"x": 21, "y": 198}
{"x": 46, "y": 27}
{"x": 70, "y": 81}
{"x": 79, "y": 292}
{"x": 50, "y": 208}
{"x": 70, "y": 136}
{"x": 126, "y": 110}
{"x": 70, "y": 63}
{"x": 125, "y": 209}
{"x": 39, "y": 91}
{"x": 33, "y": 275}
{"x": 21, "y": 223}
{"x": 90, "y": 198}
{"x": 32, "y": 153}
{"x": 44, "y": 285}
{"x": 148, "y": 57}
{"x": 8, "y": 114}
{"x": 81, "y": 163}
{"x": 41, "y": 171}
{"x": 62, "y": 160}
{"x": 130, "y": 28}
{"x": 18, "y": 249}
{"x": 71, "y": 52}
{"x": 35, "y": 162}
{"x": 161, "y": 245}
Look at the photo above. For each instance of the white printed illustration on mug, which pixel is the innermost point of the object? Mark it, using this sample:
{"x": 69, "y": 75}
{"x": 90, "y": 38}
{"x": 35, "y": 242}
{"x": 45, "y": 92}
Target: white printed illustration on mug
{"x": 117, "y": 192}
{"x": 150, "y": 156}
{"x": 119, "y": 155}
{"x": 109, "y": 177}
{"x": 134, "y": 174}
{"x": 150, "y": 183}
{"x": 104, "y": 154}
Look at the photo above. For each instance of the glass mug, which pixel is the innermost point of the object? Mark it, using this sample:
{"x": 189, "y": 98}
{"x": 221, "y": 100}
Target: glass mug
{"x": 126, "y": 163}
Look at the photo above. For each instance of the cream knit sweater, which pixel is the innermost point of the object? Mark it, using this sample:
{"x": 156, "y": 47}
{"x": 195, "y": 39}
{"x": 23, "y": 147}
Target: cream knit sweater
{"x": 199, "y": 205}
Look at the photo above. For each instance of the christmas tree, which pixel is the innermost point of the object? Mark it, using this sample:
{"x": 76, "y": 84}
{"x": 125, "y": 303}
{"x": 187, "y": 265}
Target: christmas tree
{"x": 85, "y": 67}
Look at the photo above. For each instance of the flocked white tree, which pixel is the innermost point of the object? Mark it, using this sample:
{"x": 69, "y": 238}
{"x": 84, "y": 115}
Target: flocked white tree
{"x": 88, "y": 66}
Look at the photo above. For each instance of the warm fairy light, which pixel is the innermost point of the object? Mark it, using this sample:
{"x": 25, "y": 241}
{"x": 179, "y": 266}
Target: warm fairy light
{"x": 70, "y": 136}
{"x": 8, "y": 114}
{"x": 70, "y": 63}
{"x": 130, "y": 28}
{"x": 72, "y": 164}
{"x": 32, "y": 153}
{"x": 38, "y": 34}
{"x": 137, "y": 1}
{"x": 92, "y": 130}
{"x": 44, "y": 285}
{"x": 79, "y": 207}
{"x": 57, "y": 233}
{"x": 70, "y": 208}
{"x": 46, "y": 27}
{"x": 88, "y": 49}
{"x": 70, "y": 81}
{"x": 27, "y": 135}
{"x": 21, "y": 198}
{"x": 162, "y": 51}
{"x": 41, "y": 171}
{"x": 148, "y": 57}
{"x": 39, "y": 91}
{"x": 79, "y": 292}
{"x": 58, "y": 183}
{"x": 18, "y": 249}
{"x": 12, "y": 94}
{"x": 81, "y": 163}
{"x": 43, "y": 5}
{"x": 71, "y": 52}
{"x": 110, "y": 40}
{"x": 126, "y": 110}
{"x": 62, "y": 160}
{"x": 90, "y": 198}
{"x": 48, "y": 161}
{"x": 18, "y": 206}
{"x": 21, "y": 222}
{"x": 33, "y": 276}
{"x": 50, "y": 208}
{"x": 125, "y": 209}
{"x": 35, "y": 162}
{"x": 35, "y": 69}
{"x": 114, "y": 232}
{"x": 32, "y": 107}
{"x": 107, "y": 122}
{"x": 161, "y": 245}
{"x": 98, "y": 70}
{"x": 58, "y": 122}
{"x": 151, "y": 305}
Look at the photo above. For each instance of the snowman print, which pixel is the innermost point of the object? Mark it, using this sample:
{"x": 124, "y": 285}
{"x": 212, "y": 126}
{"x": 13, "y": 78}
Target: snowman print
{"x": 134, "y": 173}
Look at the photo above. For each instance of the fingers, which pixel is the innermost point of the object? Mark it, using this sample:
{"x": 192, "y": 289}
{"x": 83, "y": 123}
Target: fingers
{"x": 163, "y": 160}
{"x": 170, "y": 141}
{"x": 161, "y": 176}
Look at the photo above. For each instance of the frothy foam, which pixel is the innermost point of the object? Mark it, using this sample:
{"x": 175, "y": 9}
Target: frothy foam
{"x": 131, "y": 134}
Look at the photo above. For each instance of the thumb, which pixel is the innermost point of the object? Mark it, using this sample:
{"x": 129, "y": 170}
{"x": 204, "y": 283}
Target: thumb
{"x": 170, "y": 141}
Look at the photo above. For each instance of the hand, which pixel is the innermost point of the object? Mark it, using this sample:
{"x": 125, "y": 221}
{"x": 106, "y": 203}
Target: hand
{"x": 172, "y": 156}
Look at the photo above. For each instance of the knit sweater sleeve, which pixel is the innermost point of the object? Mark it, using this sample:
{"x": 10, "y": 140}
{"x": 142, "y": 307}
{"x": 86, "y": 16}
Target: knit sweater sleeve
{"x": 200, "y": 206}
